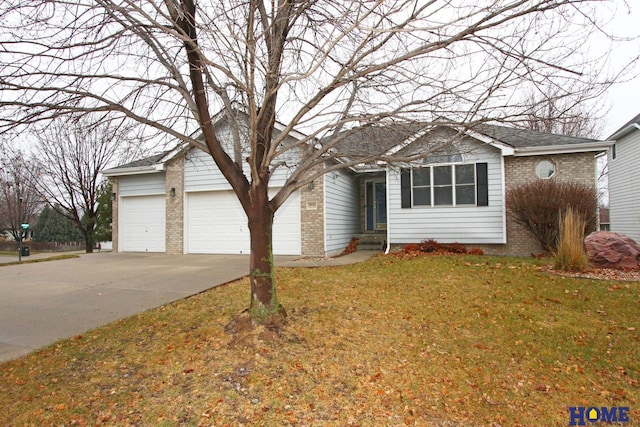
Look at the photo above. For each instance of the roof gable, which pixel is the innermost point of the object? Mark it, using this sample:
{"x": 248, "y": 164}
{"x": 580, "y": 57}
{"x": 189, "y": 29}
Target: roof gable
{"x": 400, "y": 139}
{"x": 155, "y": 163}
{"x": 630, "y": 126}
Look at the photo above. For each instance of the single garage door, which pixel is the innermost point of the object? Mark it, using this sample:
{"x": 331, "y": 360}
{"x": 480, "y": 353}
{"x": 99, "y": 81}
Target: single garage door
{"x": 142, "y": 224}
{"x": 216, "y": 224}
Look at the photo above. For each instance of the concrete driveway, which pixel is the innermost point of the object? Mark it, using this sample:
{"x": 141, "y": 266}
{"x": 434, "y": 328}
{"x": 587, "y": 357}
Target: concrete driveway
{"x": 42, "y": 303}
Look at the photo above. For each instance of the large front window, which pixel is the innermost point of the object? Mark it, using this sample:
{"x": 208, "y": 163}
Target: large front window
{"x": 449, "y": 185}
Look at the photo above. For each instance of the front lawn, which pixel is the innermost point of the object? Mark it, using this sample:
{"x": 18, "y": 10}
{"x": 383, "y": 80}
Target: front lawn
{"x": 436, "y": 341}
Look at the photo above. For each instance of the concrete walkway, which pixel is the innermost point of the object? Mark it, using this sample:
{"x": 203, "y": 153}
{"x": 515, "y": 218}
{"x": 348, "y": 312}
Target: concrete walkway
{"x": 41, "y": 303}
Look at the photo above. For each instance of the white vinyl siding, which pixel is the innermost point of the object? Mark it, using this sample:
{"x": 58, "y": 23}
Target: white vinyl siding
{"x": 342, "y": 217}
{"x": 140, "y": 185}
{"x": 142, "y": 224}
{"x": 202, "y": 174}
{"x": 624, "y": 186}
{"x": 463, "y": 224}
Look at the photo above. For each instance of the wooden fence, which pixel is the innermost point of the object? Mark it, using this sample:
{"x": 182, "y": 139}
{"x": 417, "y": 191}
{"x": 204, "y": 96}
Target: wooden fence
{"x": 43, "y": 246}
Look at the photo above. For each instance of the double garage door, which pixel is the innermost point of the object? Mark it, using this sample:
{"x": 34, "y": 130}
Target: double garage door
{"x": 216, "y": 224}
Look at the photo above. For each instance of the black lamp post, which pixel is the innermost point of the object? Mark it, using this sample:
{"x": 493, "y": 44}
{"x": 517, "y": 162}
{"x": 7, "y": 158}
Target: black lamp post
{"x": 19, "y": 229}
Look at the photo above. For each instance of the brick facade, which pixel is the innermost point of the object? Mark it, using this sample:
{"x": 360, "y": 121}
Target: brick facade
{"x": 174, "y": 196}
{"x": 576, "y": 167}
{"x": 312, "y": 218}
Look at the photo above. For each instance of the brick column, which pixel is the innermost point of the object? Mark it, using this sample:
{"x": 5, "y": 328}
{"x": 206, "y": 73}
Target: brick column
{"x": 312, "y": 218}
{"x": 175, "y": 206}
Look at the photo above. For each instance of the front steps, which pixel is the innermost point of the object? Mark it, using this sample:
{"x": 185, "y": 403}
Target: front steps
{"x": 371, "y": 241}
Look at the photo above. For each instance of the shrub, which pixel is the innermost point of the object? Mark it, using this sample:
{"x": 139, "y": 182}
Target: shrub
{"x": 540, "y": 204}
{"x": 432, "y": 246}
{"x": 454, "y": 248}
{"x": 411, "y": 247}
{"x": 571, "y": 255}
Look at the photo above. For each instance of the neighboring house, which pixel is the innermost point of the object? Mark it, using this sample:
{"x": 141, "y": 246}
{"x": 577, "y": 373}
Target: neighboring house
{"x": 603, "y": 219}
{"x": 178, "y": 201}
{"x": 624, "y": 180}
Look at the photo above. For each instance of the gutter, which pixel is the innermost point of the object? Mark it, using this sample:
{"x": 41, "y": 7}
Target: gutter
{"x": 138, "y": 170}
{"x": 564, "y": 149}
{"x": 622, "y": 132}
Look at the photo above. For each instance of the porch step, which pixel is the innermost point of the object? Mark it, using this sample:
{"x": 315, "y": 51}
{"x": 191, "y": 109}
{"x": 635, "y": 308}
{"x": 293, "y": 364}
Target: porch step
{"x": 371, "y": 242}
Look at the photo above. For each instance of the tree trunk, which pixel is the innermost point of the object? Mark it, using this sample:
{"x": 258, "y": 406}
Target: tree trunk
{"x": 90, "y": 235}
{"x": 89, "y": 243}
{"x": 264, "y": 306}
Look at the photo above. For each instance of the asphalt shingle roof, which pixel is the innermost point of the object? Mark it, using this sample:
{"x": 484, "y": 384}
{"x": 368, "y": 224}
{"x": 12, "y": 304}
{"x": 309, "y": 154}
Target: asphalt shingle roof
{"x": 385, "y": 137}
{"x": 379, "y": 139}
{"x": 521, "y": 138}
{"x": 147, "y": 161}
{"x": 369, "y": 139}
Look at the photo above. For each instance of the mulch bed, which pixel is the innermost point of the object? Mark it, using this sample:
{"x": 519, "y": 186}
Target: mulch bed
{"x": 599, "y": 274}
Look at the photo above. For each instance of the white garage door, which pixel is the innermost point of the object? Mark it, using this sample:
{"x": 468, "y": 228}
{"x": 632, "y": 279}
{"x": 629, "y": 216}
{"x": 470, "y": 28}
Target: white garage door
{"x": 142, "y": 224}
{"x": 216, "y": 224}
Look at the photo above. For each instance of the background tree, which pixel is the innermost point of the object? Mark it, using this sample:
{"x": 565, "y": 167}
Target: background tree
{"x": 574, "y": 114}
{"x": 104, "y": 216}
{"x": 322, "y": 67}
{"x": 52, "y": 226}
{"x": 71, "y": 155}
{"x": 19, "y": 202}
{"x": 561, "y": 111}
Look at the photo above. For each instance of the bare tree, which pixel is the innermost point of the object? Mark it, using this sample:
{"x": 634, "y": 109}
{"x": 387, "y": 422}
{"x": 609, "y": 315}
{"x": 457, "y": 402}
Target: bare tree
{"x": 19, "y": 202}
{"x": 70, "y": 156}
{"x": 556, "y": 110}
{"x": 321, "y": 67}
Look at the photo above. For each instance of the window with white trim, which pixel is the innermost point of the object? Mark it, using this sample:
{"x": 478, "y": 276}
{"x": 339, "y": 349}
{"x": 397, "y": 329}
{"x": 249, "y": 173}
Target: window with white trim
{"x": 445, "y": 185}
{"x": 545, "y": 169}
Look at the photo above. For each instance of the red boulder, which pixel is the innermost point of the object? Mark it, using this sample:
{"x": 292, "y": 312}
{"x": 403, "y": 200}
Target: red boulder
{"x": 612, "y": 250}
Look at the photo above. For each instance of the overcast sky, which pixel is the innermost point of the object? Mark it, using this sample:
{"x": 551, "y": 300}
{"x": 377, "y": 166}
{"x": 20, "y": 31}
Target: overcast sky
{"x": 623, "y": 100}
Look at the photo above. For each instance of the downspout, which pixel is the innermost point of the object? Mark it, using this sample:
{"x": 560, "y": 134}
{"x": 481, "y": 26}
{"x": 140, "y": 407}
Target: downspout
{"x": 387, "y": 186}
{"x": 504, "y": 199}
{"x": 325, "y": 243}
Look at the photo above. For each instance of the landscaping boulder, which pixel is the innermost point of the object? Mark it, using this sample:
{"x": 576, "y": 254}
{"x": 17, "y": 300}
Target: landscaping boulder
{"x": 612, "y": 250}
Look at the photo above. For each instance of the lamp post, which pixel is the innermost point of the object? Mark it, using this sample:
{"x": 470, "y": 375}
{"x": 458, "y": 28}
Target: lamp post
{"x": 19, "y": 229}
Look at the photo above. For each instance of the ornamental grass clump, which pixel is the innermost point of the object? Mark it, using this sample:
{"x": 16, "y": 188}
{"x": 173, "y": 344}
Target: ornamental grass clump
{"x": 540, "y": 205}
{"x": 571, "y": 255}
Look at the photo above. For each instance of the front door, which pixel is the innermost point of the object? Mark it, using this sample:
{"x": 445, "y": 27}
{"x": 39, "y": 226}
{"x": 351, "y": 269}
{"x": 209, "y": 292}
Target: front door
{"x": 376, "y": 205}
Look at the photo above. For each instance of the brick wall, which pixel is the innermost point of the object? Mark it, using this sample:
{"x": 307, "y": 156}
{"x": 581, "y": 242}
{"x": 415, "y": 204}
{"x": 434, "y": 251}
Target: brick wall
{"x": 175, "y": 206}
{"x": 114, "y": 214}
{"x": 577, "y": 167}
{"x": 312, "y": 218}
